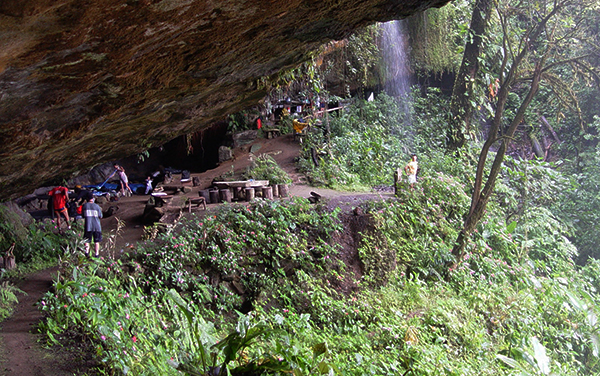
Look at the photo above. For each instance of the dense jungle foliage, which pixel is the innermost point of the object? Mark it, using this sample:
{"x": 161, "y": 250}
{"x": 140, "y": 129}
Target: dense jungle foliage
{"x": 286, "y": 287}
{"x": 518, "y": 303}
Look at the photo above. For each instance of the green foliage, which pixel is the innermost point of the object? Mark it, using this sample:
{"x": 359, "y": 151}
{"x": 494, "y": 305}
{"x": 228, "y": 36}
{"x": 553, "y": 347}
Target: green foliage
{"x": 8, "y": 297}
{"x": 528, "y": 184}
{"x": 370, "y": 140}
{"x": 480, "y": 319}
{"x": 354, "y": 62}
{"x": 580, "y": 204}
{"x": 128, "y": 330}
{"x": 441, "y": 33}
{"x": 418, "y": 228}
{"x": 240, "y": 121}
{"x": 238, "y": 243}
{"x": 264, "y": 167}
{"x": 12, "y": 231}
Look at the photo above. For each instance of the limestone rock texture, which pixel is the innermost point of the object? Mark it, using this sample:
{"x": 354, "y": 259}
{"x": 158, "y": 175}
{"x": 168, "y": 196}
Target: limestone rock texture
{"x": 83, "y": 82}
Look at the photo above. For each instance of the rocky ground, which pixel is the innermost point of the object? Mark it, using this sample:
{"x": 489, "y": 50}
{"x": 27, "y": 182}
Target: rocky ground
{"x": 21, "y": 348}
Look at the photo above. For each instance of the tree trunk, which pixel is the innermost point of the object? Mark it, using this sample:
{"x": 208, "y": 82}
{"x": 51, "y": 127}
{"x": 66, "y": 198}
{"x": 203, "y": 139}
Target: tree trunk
{"x": 283, "y": 190}
{"x": 461, "y": 108}
{"x": 267, "y": 193}
{"x": 214, "y": 196}
{"x": 249, "y": 193}
{"x": 480, "y": 196}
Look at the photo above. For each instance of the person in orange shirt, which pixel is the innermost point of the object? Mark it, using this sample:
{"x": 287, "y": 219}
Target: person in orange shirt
{"x": 60, "y": 196}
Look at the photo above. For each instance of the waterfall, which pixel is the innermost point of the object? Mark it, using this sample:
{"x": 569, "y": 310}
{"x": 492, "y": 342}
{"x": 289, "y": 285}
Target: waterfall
{"x": 395, "y": 56}
{"x": 398, "y": 81}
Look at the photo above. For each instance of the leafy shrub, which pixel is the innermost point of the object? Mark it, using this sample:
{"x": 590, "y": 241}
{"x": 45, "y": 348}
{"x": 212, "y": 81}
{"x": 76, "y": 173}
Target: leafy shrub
{"x": 8, "y": 297}
{"x": 368, "y": 141}
{"x": 421, "y": 225}
{"x": 12, "y": 231}
{"x": 129, "y": 331}
{"x": 363, "y": 148}
{"x": 239, "y": 121}
{"x": 264, "y": 167}
{"x": 272, "y": 238}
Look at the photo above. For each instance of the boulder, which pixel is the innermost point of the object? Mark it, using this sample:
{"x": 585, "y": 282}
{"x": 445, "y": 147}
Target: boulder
{"x": 100, "y": 200}
{"x": 152, "y": 214}
{"x": 225, "y": 154}
{"x": 16, "y": 212}
{"x": 96, "y": 175}
{"x": 244, "y": 138}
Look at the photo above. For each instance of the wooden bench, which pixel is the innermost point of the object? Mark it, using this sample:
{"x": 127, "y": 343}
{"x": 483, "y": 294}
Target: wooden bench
{"x": 272, "y": 132}
{"x": 196, "y": 201}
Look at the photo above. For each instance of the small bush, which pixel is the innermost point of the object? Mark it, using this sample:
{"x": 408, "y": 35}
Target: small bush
{"x": 264, "y": 167}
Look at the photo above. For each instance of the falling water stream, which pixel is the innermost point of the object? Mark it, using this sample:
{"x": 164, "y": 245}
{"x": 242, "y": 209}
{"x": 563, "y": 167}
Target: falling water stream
{"x": 395, "y": 49}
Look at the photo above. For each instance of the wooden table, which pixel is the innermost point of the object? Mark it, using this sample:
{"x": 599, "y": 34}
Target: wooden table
{"x": 241, "y": 183}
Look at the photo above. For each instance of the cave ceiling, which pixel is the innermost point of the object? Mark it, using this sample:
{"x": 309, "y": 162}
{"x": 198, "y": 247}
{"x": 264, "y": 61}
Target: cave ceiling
{"x": 85, "y": 82}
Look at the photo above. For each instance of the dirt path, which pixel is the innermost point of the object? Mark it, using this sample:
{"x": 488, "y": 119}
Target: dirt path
{"x": 20, "y": 351}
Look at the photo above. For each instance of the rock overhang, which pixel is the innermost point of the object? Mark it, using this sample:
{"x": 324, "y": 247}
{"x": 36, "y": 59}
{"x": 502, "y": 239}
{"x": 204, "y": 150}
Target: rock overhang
{"x": 85, "y": 82}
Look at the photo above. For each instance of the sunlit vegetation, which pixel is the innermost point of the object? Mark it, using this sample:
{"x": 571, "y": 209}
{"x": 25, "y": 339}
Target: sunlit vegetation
{"x": 289, "y": 288}
{"x": 518, "y": 302}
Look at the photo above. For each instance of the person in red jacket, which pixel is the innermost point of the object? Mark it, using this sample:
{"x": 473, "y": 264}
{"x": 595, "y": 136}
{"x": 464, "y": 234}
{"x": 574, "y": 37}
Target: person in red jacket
{"x": 60, "y": 197}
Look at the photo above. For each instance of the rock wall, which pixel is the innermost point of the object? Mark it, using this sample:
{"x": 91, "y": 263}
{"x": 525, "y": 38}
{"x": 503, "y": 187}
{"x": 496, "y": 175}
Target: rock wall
{"x": 83, "y": 82}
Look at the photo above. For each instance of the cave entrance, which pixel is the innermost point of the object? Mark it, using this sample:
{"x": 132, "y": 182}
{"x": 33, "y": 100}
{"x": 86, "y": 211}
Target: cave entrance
{"x": 197, "y": 152}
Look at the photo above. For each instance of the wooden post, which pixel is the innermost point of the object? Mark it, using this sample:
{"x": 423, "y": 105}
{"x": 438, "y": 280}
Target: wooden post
{"x": 225, "y": 195}
{"x": 267, "y": 193}
{"x": 205, "y": 193}
{"x": 9, "y": 258}
{"x": 283, "y": 190}
{"x": 237, "y": 193}
{"x": 249, "y": 193}
{"x": 214, "y": 196}
{"x": 275, "y": 190}
{"x": 397, "y": 177}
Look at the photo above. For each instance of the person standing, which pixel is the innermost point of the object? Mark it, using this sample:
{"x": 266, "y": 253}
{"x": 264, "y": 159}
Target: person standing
{"x": 92, "y": 228}
{"x": 60, "y": 196}
{"x": 81, "y": 197}
{"x": 148, "y": 185}
{"x": 125, "y": 190}
{"x": 411, "y": 170}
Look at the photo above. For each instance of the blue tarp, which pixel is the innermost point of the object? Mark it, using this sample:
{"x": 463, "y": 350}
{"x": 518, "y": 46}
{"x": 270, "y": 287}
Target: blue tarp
{"x": 113, "y": 187}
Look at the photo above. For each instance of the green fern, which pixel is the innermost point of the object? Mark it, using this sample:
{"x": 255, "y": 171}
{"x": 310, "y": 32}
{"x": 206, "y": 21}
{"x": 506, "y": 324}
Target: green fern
{"x": 8, "y": 298}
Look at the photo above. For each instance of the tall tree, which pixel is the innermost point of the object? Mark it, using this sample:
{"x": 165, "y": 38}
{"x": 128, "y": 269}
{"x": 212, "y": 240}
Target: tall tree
{"x": 538, "y": 39}
{"x": 462, "y": 103}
